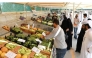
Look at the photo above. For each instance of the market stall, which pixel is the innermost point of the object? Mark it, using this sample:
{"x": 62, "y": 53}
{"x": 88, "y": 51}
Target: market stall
{"x": 28, "y": 37}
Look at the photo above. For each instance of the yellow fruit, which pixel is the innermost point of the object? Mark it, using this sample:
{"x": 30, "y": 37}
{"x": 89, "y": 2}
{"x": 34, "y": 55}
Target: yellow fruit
{"x": 24, "y": 56}
{"x": 3, "y": 54}
{"x": 18, "y": 56}
{"x": 4, "y": 49}
{"x": 0, "y": 52}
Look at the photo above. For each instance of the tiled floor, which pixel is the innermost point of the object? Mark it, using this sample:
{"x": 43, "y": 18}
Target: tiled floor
{"x": 71, "y": 53}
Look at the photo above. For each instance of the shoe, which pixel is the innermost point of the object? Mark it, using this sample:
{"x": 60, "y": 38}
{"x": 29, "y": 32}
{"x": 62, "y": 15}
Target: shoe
{"x": 75, "y": 38}
{"x": 68, "y": 49}
{"x": 76, "y": 51}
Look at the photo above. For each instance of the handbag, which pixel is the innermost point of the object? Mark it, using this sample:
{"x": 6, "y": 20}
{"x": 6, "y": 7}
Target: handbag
{"x": 66, "y": 36}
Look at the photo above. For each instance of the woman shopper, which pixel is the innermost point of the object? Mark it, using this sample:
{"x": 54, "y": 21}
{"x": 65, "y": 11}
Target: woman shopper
{"x": 68, "y": 28}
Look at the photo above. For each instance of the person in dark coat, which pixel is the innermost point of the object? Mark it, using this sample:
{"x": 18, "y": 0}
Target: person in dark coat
{"x": 69, "y": 33}
{"x": 64, "y": 24}
{"x": 48, "y": 17}
{"x": 68, "y": 28}
{"x": 80, "y": 39}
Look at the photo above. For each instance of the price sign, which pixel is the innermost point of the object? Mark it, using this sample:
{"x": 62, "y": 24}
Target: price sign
{"x": 28, "y": 26}
{"x": 10, "y": 54}
{"x": 21, "y": 40}
{"x": 41, "y": 47}
{"x": 38, "y": 40}
{"x": 43, "y": 34}
{"x": 36, "y": 50}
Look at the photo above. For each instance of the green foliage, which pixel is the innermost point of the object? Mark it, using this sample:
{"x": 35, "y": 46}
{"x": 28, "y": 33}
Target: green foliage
{"x": 16, "y": 30}
{"x": 10, "y": 37}
{"x": 22, "y": 36}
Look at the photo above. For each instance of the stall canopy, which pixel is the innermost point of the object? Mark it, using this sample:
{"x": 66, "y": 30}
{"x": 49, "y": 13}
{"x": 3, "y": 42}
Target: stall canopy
{"x": 63, "y": 5}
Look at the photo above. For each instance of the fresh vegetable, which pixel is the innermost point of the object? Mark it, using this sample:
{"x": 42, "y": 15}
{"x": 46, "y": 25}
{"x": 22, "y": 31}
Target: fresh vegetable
{"x": 10, "y": 37}
{"x": 24, "y": 51}
{"x": 22, "y": 36}
{"x": 16, "y": 30}
{"x": 40, "y": 56}
{"x": 10, "y": 46}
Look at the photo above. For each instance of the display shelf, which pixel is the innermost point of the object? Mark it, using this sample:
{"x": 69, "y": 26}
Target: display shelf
{"x": 45, "y": 27}
{"x": 18, "y": 47}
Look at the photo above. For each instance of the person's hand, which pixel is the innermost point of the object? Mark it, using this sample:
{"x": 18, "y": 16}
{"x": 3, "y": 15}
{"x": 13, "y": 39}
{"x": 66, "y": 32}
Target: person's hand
{"x": 67, "y": 29}
{"x": 47, "y": 32}
{"x": 88, "y": 50}
{"x": 71, "y": 32}
{"x": 42, "y": 37}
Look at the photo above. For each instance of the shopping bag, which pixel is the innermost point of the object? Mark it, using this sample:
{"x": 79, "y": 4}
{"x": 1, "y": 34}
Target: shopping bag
{"x": 66, "y": 36}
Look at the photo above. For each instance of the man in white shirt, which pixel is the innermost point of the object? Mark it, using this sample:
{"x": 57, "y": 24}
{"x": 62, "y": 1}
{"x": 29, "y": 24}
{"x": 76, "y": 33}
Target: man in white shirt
{"x": 59, "y": 41}
{"x": 85, "y": 17}
{"x": 86, "y": 50}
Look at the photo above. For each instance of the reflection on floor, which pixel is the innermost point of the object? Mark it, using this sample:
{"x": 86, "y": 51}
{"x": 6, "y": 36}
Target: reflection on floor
{"x": 71, "y": 53}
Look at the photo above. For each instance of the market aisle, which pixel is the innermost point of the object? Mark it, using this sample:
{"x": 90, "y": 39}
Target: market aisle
{"x": 71, "y": 53}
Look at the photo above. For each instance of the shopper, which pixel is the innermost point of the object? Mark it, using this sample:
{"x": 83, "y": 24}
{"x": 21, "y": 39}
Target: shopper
{"x": 54, "y": 16}
{"x": 64, "y": 24}
{"x": 48, "y": 17}
{"x": 85, "y": 17}
{"x": 68, "y": 28}
{"x": 81, "y": 20}
{"x": 76, "y": 22}
{"x": 86, "y": 50}
{"x": 59, "y": 39}
{"x": 69, "y": 33}
{"x": 80, "y": 39}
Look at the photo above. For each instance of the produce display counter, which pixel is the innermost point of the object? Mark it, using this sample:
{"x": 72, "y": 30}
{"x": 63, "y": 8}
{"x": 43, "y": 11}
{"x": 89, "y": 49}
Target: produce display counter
{"x": 43, "y": 26}
{"x": 8, "y": 47}
{"x": 30, "y": 41}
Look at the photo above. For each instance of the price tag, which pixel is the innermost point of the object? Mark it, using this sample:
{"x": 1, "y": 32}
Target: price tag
{"x": 33, "y": 26}
{"x": 28, "y": 26}
{"x": 36, "y": 50}
{"x": 21, "y": 40}
{"x": 10, "y": 54}
{"x": 38, "y": 40}
{"x": 43, "y": 34}
{"x": 41, "y": 47}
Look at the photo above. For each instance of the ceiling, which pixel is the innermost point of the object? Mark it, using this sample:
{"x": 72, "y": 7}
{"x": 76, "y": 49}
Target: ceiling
{"x": 64, "y": 5}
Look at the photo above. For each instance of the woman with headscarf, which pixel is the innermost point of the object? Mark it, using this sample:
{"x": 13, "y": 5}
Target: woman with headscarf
{"x": 68, "y": 28}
